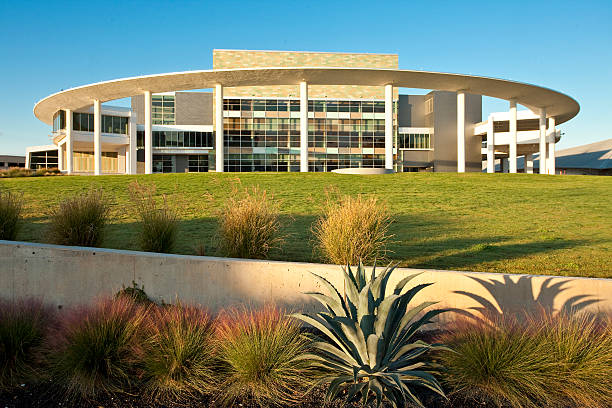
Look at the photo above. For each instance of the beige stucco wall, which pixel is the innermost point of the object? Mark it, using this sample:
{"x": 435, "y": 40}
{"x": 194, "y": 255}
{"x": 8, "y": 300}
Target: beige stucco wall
{"x": 232, "y": 59}
{"x": 71, "y": 275}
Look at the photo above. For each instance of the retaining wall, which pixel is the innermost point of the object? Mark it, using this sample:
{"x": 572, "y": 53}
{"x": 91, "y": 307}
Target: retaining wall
{"x": 66, "y": 276}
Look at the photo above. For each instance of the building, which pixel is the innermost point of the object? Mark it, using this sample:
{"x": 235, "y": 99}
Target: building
{"x": 299, "y": 111}
{"x": 590, "y": 159}
{"x": 10, "y": 161}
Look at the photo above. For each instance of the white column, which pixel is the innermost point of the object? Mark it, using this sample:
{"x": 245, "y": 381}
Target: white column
{"x": 461, "y": 132}
{"x": 219, "y": 128}
{"x": 543, "y": 141}
{"x": 97, "y": 137}
{"x": 69, "y": 151}
{"x": 490, "y": 145}
{"x": 513, "y": 137}
{"x": 131, "y": 162}
{"x": 60, "y": 156}
{"x": 529, "y": 163}
{"x": 389, "y": 127}
{"x": 551, "y": 165}
{"x": 148, "y": 136}
{"x": 303, "y": 127}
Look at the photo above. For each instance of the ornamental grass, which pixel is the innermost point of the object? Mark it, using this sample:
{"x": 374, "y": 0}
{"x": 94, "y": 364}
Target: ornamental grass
{"x": 249, "y": 226}
{"x": 261, "y": 355}
{"x": 23, "y": 328}
{"x": 352, "y": 229}
{"x": 80, "y": 220}
{"x": 159, "y": 221}
{"x": 538, "y": 362}
{"x": 11, "y": 205}
{"x": 96, "y": 349}
{"x": 179, "y": 356}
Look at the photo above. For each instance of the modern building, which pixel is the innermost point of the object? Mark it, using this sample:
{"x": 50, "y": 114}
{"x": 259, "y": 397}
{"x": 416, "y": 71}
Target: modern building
{"x": 299, "y": 111}
{"x": 589, "y": 159}
{"x": 10, "y": 161}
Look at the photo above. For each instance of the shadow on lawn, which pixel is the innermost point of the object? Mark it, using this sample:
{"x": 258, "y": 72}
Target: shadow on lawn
{"x": 475, "y": 251}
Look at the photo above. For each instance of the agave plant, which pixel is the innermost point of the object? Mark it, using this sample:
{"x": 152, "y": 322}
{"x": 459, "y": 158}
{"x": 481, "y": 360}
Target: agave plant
{"x": 369, "y": 350}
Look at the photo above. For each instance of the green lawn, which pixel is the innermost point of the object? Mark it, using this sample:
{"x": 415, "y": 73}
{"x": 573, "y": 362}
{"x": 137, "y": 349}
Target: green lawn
{"x": 502, "y": 223}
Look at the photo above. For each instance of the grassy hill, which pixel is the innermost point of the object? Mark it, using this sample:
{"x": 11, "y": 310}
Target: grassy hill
{"x": 513, "y": 223}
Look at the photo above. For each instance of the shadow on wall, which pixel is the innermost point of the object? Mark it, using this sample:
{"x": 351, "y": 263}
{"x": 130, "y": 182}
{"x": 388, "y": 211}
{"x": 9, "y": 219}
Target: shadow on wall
{"x": 510, "y": 297}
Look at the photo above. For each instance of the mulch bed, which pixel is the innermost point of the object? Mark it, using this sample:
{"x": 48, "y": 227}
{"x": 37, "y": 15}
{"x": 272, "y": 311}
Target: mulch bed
{"x": 47, "y": 395}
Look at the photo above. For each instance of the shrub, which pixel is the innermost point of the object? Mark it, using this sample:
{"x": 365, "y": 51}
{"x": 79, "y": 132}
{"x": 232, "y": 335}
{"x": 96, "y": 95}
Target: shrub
{"x": 543, "y": 361}
{"x": 80, "y": 220}
{"x": 179, "y": 355}
{"x": 249, "y": 226}
{"x": 95, "y": 349}
{"x": 16, "y": 172}
{"x": 351, "y": 230}
{"x": 262, "y": 358}
{"x": 580, "y": 347}
{"x": 369, "y": 350}
{"x": 159, "y": 222}
{"x": 10, "y": 214}
{"x": 23, "y": 172}
{"x": 135, "y": 293}
{"x": 23, "y": 327}
{"x": 52, "y": 171}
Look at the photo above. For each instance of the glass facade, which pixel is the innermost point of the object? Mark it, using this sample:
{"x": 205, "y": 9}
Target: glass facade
{"x": 164, "y": 163}
{"x": 167, "y": 138}
{"x": 414, "y": 141}
{"x": 59, "y": 121}
{"x": 46, "y": 159}
{"x": 84, "y": 122}
{"x": 264, "y": 134}
{"x": 162, "y": 110}
{"x": 198, "y": 163}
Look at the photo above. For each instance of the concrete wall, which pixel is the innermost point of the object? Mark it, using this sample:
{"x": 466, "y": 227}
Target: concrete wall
{"x": 411, "y": 111}
{"x": 230, "y": 59}
{"x": 194, "y": 108}
{"x": 445, "y": 131}
{"x": 66, "y": 276}
{"x": 137, "y": 103}
{"x": 417, "y": 158}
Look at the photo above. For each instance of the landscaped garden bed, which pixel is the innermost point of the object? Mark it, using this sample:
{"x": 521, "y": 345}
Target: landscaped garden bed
{"x": 367, "y": 348}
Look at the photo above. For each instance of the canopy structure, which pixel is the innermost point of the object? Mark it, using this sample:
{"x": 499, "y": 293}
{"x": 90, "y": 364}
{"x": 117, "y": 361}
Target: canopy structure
{"x": 557, "y": 105}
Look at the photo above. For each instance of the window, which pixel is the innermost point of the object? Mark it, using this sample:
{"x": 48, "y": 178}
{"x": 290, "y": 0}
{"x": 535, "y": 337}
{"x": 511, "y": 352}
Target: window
{"x": 198, "y": 163}
{"x": 84, "y": 161}
{"x": 59, "y": 121}
{"x": 163, "y": 163}
{"x": 163, "y": 110}
{"x": 429, "y": 106}
{"x": 339, "y": 141}
{"x": 412, "y": 141}
{"x": 45, "y": 159}
{"x": 84, "y": 122}
{"x": 168, "y": 138}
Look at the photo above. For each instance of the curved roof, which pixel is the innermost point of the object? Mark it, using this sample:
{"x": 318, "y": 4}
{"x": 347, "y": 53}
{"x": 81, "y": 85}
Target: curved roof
{"x": 557, "y": 105}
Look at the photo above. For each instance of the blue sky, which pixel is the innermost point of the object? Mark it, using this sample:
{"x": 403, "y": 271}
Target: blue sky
{"x": 52, "y": 45}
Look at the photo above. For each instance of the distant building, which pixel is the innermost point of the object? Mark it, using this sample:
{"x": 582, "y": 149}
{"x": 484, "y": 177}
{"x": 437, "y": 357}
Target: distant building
{"x": 591, "y": 159}
{"x": 8, "y": 161}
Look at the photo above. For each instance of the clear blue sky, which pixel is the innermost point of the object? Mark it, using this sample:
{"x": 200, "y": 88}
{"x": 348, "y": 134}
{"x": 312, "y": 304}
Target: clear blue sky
{"x": 51, "y": 45}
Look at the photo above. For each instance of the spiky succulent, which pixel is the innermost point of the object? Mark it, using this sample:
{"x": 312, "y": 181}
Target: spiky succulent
{"x": 368, "y": 348}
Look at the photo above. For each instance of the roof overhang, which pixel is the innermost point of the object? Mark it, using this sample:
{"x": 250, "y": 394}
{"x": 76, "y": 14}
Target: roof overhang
{"x": 557, "y": 105}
